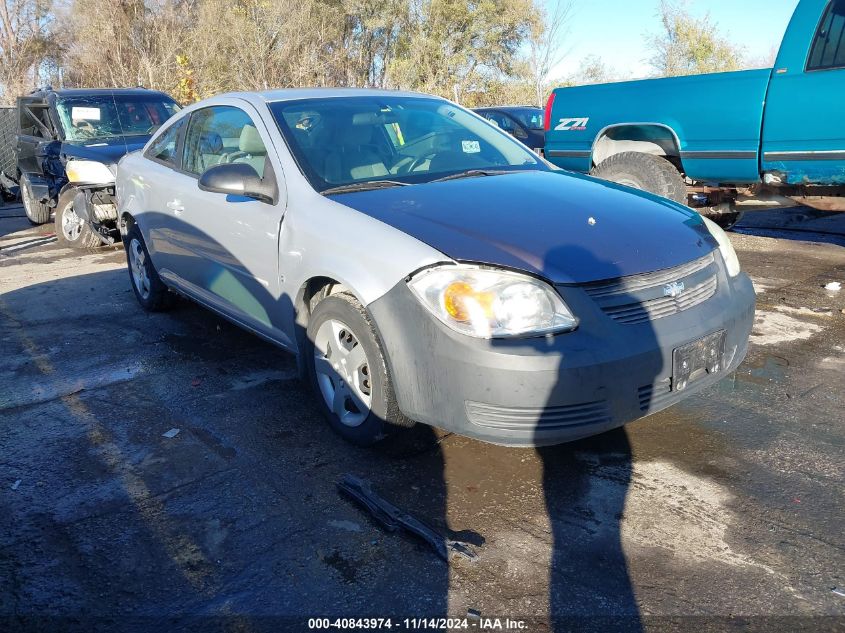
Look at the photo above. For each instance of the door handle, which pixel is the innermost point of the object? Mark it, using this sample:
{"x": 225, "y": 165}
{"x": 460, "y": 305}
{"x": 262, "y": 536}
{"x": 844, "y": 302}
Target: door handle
{"x": 175, "y": 206}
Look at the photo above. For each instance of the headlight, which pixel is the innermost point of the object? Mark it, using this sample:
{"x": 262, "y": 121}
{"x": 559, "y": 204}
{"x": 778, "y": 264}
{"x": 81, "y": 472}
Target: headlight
{"x": 725, "y": 247}
{"x": 89, "y": 172}
{"x": 487, "y": 303}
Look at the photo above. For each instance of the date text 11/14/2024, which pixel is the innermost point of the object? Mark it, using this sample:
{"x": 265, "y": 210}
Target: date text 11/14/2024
{"x": 477, "y": 623}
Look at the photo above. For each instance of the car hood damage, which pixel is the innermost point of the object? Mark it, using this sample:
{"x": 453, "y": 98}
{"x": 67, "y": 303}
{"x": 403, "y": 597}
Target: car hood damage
{"x": 108, "y": 151}
{"x": 566, "y": 228}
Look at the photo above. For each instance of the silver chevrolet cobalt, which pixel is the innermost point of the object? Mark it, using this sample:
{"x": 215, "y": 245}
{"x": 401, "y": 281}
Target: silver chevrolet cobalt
{"x": 424, "y": 266}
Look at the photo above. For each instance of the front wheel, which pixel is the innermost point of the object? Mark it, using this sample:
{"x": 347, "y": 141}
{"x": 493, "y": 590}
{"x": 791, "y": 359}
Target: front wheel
{"x": 647, "y": 172}
{"x": 149, "y": 289}
{"x": 348, "y": 371}
{"x": 71, "y": 228}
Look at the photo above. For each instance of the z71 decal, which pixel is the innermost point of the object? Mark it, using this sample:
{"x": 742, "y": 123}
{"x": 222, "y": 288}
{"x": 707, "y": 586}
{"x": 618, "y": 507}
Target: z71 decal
{"x": 573, "y": 125}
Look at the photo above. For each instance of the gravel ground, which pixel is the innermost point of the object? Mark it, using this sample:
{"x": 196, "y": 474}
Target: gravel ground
{"x": 723, "y": 512}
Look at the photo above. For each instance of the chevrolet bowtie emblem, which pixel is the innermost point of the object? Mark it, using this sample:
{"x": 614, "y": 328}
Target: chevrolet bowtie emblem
{"x": 675, "y": 289}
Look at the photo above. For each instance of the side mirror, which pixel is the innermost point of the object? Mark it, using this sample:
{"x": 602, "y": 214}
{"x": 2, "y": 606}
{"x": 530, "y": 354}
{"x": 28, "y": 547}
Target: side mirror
{"x": 240, "y": 179}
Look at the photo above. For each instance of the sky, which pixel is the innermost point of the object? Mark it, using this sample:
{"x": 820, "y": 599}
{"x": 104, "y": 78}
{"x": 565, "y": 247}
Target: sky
{"x": 615, "y": 29}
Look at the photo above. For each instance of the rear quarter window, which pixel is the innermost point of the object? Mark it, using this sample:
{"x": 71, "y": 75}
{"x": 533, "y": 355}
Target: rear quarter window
{"x": 829, "y": 44}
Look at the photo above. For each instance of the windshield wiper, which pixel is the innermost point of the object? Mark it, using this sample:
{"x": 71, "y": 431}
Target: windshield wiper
{"x": 473, "y": 173}
{"x": 364, "y": 186}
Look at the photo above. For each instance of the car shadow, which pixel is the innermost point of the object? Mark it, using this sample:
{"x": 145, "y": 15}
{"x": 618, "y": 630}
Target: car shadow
{"x": 282, "y": 547}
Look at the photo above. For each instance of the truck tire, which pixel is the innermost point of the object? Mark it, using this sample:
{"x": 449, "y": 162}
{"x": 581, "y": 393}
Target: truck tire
{"x": 348, "y": 372}
{"x": 71, "y": 229}
{"x": 37, "y": 212}
{"x": 647, "y": 172}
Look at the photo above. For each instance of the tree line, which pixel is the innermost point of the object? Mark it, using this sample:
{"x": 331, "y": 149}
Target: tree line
{"x": 478, "y": 52}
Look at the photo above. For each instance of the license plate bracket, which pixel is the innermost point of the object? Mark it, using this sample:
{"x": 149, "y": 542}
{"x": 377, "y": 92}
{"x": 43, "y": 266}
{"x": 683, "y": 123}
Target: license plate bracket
{"x": 695, "y": 360}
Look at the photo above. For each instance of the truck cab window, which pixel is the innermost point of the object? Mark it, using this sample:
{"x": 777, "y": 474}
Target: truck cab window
{"x": 829, "y": 44}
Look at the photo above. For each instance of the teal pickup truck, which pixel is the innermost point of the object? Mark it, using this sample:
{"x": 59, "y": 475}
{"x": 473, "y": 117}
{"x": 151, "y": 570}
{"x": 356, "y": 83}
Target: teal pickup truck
{"x": 704, "y": 140}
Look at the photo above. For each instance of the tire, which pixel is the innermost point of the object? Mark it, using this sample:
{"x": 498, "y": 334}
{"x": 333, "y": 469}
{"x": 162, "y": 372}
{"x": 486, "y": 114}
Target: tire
{"x": 364, "y": 410}
{"x": 72, "y": 230}
{"x": 37, "y": 212}
{"x": 149, "y": 289}
{"x": 726, "y": 215}
{"x": 649, "y": 173}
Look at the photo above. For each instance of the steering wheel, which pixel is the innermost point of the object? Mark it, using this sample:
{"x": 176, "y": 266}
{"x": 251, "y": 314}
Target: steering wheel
{"x": 419, "y": 160}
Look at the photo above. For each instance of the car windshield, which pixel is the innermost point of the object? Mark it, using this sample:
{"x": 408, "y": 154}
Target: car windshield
{"x": 102, "y": 116}
{"x": 531, "y": 118}
{"x": 404, "y": 140}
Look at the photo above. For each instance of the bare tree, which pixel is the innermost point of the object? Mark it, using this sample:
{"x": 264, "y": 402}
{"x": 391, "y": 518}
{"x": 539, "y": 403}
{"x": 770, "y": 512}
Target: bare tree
{"x": 26, "y": 42}
{"x": 545, "y": 44}
{"x": 690, "y": 45}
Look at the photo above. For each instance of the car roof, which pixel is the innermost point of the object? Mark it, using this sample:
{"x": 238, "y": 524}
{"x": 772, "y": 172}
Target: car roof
{"x": 293, "y": 94}
{"x": 81, "y": 92}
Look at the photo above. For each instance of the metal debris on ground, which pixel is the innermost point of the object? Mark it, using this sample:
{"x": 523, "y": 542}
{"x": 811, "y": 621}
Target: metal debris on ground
{"x": 171, "y": 433}
{"x": 833, "y": 286}
{"x": 16, "y": 484}
{"x": 392, "y": 518}
{"x": 839, "y": 592}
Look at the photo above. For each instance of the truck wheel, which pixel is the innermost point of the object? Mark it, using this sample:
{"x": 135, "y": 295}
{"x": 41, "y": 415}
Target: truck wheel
{"x": 37, "y": 212}
{"x": 72, "y": 229}
{"x": 149, "y": 289}
{"x": 649, "y": 173}
{"x": 348, "y": 372}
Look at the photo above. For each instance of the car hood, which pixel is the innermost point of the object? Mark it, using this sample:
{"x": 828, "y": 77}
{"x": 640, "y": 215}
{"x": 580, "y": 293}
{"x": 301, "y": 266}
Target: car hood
{"x": 564, "y": 227}
{"x": 107, "y": 150}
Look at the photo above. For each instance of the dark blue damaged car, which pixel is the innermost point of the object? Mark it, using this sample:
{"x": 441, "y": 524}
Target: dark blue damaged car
{"x": 426, "y": 267}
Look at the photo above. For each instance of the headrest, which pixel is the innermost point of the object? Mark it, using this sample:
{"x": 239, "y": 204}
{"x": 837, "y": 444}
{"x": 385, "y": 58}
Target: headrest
{"x": 250, "y": 141}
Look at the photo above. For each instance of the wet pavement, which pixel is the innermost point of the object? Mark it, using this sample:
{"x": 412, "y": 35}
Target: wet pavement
{"x": 724, "y": 512}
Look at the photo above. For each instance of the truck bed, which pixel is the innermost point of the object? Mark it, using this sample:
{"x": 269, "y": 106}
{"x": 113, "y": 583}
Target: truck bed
{"x": 718, "y": 118}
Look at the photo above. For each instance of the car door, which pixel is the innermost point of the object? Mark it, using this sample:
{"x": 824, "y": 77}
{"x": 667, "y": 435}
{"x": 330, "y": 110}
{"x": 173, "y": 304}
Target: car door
{"x": 160, "y": 182}
{"x": 35, "y": 135}
{"x": 233, "y": 240}
{"x": 804, "y": 130}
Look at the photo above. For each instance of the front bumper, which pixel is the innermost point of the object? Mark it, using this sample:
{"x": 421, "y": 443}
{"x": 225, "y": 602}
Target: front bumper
{"x": 550, "y": 390}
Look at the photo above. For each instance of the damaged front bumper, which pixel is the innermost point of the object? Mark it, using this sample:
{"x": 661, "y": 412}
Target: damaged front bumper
{"x": 98, "y": 207}
{"x": 555, "y": 389}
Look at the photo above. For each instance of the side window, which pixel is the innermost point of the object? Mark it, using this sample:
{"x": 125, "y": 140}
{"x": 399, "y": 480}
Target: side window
{"x": 164, "y": 147}
{"x": 503, "y": 122}
{"x": 829, "y": 45}
{"x": 220, "y": 135}
{"x": 35, "y": 120}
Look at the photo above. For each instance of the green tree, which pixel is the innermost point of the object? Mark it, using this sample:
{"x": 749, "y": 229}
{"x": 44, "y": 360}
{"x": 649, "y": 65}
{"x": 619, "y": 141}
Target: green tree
{"x": 689, "y": 45}
{"x": 453, "y": 47}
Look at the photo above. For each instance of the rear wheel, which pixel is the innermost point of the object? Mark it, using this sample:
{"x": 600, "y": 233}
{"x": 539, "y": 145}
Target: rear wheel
{"x": 348, "y": 371}
{"x": 37, "y": 212}
{"x": 149, "y": 289}
{"x": 649, "y": 173}
{"x": 71, "y": 228}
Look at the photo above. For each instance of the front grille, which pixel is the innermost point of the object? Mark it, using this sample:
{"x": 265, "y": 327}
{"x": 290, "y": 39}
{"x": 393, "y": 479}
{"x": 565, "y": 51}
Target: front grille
{"x": 546, "y": 418}
{"x": 641, "y": 298}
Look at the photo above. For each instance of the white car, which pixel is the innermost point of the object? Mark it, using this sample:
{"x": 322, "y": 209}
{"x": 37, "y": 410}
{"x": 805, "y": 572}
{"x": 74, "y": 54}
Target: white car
{"x": 425, "y": 266}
